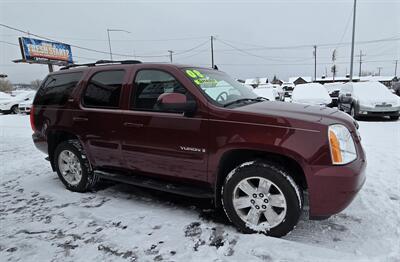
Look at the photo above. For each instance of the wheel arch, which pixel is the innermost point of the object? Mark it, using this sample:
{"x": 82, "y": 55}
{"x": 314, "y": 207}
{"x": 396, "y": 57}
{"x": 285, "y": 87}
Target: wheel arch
{"x": 235, "y": 157}
{"x": 54, "y": 138}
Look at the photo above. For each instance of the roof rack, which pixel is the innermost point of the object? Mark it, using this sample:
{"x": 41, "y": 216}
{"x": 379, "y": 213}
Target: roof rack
{"x": 100, "y": 62}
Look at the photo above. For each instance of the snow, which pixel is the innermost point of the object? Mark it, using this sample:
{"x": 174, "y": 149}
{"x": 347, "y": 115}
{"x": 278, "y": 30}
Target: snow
{"x": 312, "y": 93}
{"x": 305, "y": 78}
{"x": 41, "y": 221}
{"x": 331, "y": 87}
{"x": 268, "y": 92}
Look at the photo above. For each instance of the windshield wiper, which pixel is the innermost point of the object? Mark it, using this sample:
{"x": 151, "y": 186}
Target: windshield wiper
{"x": 257, "y": 99}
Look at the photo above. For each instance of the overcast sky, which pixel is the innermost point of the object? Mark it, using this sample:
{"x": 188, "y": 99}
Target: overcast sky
{"x": 244, "y": 30}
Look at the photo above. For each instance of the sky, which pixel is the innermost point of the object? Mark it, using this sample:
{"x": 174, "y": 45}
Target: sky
{"x": 252, "y": 38}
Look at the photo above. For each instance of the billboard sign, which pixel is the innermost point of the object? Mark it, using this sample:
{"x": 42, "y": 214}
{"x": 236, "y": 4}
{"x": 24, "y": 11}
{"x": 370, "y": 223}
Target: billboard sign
{"x": 36, "y": 49}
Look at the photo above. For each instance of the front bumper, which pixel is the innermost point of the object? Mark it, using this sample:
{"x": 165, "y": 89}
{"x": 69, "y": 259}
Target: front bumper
{"x": 378, "y": 111}
{"x": 331, "y": 189}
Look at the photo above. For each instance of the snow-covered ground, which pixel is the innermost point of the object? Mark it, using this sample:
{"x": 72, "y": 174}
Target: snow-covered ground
{"x": 42, "y": 221}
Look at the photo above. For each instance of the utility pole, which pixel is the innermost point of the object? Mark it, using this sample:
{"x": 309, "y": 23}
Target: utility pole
{"x": 360, "y": 55}
{"x": 212, "y": 51}
{"x": 379, "y": 70}
{"x": 395, "y": 68}
{"x": 352, "y": 41}
{"x": 315, "y": 63}
{"x": 109, "y": 40}
{"x": 170, "y": 55}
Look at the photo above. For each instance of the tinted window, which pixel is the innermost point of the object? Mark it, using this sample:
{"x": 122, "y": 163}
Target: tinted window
{"x": 104, "y": 89}
{"x": 150, "y": 84}
{"x": 56, "y": 89}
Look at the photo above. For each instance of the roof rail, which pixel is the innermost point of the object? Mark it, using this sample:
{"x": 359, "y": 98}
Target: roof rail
{"x": 100, "y": 62}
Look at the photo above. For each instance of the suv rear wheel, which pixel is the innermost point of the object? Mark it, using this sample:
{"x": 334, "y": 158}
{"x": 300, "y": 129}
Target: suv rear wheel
{"x": 261, "y": 197}
{"x": 73, "y": 167}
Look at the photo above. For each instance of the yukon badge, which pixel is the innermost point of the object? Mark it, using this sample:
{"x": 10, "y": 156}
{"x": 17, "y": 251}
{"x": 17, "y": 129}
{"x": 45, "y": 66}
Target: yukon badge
{"x": 192, "y": 149}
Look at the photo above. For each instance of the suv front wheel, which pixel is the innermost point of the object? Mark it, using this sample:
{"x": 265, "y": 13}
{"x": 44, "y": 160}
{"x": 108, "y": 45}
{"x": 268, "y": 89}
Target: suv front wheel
{"x": 73, "y": 167}
{"x": 261, "y": 197}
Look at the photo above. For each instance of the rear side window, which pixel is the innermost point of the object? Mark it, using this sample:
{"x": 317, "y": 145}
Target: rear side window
{"x": 104, "y": 89}
{"x": 56, "y": 89}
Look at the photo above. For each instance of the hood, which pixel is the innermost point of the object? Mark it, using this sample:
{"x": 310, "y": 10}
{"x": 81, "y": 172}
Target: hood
{"x": 299, "y": 115}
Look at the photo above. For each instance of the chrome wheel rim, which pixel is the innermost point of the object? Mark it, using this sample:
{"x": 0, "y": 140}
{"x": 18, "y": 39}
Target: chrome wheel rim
{"x": 259, "y": 203}
{"x": 70, "y": 167}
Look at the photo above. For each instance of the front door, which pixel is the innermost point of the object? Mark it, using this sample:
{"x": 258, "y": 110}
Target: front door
{"x": 163, "y": 143}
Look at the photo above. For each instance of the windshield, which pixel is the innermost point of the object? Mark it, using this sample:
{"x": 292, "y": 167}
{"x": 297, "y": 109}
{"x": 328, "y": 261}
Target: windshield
{"x": 220, "y": 88}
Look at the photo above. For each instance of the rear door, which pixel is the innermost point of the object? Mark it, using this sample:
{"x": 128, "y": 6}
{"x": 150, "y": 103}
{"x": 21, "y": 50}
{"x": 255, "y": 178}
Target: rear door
{"x": 99, "y": 120}
{"x": 161, "y": 143}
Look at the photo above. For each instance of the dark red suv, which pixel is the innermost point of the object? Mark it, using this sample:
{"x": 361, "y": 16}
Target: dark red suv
{"x": 197, "y": 132}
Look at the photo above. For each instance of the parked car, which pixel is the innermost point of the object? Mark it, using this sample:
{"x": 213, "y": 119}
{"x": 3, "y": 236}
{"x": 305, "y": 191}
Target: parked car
{"x": 287, "y": 88}
{"x": 10, "y": 104}
{"x": 368, "y": 99}
{"x": 25, "y": 107}
{"x": 333, "y": 91}
{"x": 165, "y": 127}
{"x": 267, "y": 92}
{"x": 311, "y": 94}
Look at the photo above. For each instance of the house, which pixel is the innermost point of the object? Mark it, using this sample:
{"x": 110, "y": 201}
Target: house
{"x": 386, "y": 80}
{"x": 329, "y": 79}
{"x": 276, "y": 81}
{"x": 297, "y": 80}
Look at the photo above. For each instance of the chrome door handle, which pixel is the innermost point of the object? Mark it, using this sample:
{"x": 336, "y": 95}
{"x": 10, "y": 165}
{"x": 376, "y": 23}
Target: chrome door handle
{"x": 80, "y": 119}
{"x": 128, "y": 124}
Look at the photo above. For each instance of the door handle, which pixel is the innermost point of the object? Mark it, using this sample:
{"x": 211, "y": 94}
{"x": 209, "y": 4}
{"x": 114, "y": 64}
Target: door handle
{"x": 80, "y": 119}
{"x": 128, "y": 124}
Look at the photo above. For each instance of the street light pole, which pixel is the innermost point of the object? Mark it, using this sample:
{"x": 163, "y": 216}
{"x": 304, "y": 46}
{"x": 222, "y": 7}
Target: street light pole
{"x": 352, "y": 41}
{"x": 109, "y": 43}
{"x": 109, "y": 39}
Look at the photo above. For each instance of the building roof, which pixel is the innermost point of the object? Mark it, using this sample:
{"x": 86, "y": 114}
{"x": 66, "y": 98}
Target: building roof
{"x": 377, "y": 78}
{"x": 337, "y": 79}
{"x": 305, "y": 78}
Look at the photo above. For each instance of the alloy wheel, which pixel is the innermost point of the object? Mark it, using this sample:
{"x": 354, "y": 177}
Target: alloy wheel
{"x": 70, "y": 167}
{"x": 259, "y": 203}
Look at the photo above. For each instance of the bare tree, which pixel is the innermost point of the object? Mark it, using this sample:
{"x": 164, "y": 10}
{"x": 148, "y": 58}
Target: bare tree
{"x": 35, "y": 84}
{"x": 334, "y": 67}
{"x": 5, "y": 86}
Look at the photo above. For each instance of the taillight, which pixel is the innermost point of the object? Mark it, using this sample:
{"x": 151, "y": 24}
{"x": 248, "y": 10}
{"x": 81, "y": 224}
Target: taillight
{"x": 32, "y": 118}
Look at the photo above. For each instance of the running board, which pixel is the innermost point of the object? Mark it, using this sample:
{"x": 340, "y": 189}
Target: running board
{"x": 166, "y": 186}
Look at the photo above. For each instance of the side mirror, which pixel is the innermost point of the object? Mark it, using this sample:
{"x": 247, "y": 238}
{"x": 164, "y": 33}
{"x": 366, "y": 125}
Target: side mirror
{"x": 177, "y": 103}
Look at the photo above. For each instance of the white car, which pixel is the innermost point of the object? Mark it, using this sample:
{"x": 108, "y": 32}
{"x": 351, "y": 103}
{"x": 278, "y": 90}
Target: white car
{"x": 10, "y": 104}
{"x": 364, "y": 99}
{"x": 269, "y": 93}
{"x": 311, "y": 94}
{"x": 25, "y": 107}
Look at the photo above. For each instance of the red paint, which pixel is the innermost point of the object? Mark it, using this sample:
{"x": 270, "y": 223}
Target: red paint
{"x": 151, "y": 142}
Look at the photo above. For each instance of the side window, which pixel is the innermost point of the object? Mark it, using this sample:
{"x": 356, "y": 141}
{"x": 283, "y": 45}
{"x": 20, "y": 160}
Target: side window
{"x": 150, "y": 84}
{"x": 56, "y": 89}
{"x": 104, "y": 89}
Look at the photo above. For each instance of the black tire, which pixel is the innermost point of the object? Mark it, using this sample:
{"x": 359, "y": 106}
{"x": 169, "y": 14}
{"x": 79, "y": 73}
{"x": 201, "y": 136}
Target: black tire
{"x": 354, "y": 112}
{"x": 275, "y": 174}
{"x": 394, "y": 117}
{"x": 14, "y": 109}
{"x": 88, "y": 179}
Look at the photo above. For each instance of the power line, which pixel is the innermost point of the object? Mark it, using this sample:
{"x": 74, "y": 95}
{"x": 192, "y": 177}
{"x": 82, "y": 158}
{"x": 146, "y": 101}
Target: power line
{"x": 76, "y": 46}
{"x": 389, "y": 39}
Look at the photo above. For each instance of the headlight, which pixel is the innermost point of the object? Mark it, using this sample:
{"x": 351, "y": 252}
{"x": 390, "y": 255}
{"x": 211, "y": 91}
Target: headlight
{"x": 342, "y": 146}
